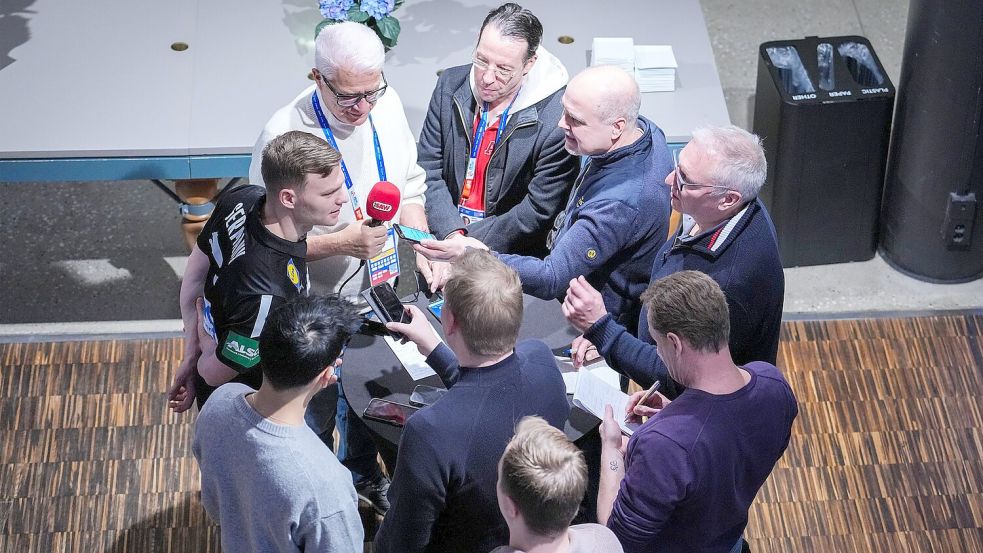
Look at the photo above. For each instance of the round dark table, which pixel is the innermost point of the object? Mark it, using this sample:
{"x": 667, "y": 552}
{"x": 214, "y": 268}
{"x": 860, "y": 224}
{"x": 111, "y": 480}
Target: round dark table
{"x": 372, "y": 370}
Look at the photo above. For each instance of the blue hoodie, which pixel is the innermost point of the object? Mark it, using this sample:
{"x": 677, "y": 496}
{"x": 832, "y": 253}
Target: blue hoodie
{"x": 615, "y": 220}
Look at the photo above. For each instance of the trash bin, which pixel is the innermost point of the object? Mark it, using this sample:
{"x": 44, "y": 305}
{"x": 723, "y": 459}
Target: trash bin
{"x": 823, "y": 109}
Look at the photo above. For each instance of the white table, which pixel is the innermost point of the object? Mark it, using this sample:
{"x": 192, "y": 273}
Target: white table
{"x": 97, "y": 93}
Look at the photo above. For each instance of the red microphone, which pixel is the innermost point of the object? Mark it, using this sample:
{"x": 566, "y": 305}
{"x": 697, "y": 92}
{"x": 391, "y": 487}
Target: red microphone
{"x": 382, "y": 202}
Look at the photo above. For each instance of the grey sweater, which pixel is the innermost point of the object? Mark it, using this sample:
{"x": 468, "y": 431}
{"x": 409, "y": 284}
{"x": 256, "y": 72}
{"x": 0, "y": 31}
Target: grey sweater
{"x": 269, "y": 486}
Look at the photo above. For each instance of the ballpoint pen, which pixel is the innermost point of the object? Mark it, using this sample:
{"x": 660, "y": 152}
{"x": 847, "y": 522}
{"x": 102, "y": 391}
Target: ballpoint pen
{"x": 648, "y": 393}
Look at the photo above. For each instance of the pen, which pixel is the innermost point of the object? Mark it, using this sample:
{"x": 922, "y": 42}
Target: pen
{"x": 648, "y": 394}
{"x": 569, "y": 351}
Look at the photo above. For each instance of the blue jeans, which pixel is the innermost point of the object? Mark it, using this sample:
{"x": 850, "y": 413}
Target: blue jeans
{"x": 356, "y": 450}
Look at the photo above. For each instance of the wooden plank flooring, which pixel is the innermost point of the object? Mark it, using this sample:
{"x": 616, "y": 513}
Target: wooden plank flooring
{"x": 885, "y": 456}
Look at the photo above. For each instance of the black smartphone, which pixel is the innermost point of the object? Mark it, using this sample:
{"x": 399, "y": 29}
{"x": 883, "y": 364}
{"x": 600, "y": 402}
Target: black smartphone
{"x": 412, "y": 234}
{"x": 424, "y": 395}
{"x": 389, "y": 412}
{"x": 390, "y": 308}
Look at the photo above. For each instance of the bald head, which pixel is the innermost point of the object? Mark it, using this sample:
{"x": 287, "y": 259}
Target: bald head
{"x": 612, "y": 92}
{"x": 600, "y": 110}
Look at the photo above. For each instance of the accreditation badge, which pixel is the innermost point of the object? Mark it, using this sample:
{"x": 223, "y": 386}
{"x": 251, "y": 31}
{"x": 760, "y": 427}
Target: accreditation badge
{"x": 385, "y": 266}
{"x": 470, "y": 215}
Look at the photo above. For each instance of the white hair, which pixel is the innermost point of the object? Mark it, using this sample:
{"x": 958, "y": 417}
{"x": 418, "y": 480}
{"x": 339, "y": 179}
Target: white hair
{"x": 350, "y": 46}
{"x": 740, "y": 162}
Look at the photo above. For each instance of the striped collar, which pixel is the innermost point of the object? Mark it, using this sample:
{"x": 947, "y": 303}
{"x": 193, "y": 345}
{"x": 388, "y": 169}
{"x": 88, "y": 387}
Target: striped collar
{"x": 714, "y": 241}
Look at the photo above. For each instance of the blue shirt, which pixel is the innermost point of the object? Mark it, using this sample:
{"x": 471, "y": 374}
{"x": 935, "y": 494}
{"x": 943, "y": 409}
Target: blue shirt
{"x": 616, "y": 218}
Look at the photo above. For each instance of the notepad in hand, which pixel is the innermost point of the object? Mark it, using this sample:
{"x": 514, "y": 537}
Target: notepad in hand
{"x": 592, "y": 394}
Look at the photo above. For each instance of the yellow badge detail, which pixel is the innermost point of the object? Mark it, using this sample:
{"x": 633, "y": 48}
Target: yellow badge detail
{"x": 591, "y": 253}
{"x": 293, "y": 274}
{"x": 580, "y": 202}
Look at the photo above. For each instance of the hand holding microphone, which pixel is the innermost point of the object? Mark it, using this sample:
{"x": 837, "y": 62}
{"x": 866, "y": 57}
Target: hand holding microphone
{"x": 365, "y": 239}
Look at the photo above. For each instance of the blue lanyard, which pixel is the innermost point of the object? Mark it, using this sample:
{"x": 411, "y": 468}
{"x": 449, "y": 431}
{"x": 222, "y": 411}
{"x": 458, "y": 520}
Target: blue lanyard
{"x": 483, "y": 122}
{"x": 329, "y": 136}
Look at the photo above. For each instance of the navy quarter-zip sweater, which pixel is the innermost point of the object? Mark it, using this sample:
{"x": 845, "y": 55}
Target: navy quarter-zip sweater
{"x": 741, "y": 254}
{"x": 443, "y": 488}
{"x": 616, "y": 219}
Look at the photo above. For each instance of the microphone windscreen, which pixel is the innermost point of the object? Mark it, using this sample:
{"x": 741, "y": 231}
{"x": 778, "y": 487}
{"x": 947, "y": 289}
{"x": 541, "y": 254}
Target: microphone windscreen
{"x": 382, "y": 201}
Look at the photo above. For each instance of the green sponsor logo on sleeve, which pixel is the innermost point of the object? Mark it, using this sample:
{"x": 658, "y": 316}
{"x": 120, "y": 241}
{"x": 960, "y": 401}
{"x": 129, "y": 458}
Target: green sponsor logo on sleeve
{"x": 241, "y": 350}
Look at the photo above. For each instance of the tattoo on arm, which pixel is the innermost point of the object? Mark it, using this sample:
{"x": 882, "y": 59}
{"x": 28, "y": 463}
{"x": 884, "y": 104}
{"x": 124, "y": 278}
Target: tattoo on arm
{"x": 613, "y": 465}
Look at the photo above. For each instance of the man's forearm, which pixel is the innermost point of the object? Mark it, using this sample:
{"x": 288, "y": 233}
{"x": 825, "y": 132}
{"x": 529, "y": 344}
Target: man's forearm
{"x": 612, "y": 473}
{"x": 413, "y": 215}
{"x": 326, "y": 245}
{"x": 213, "y": 370}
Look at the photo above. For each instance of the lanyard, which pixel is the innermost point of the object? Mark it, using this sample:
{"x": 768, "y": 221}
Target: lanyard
{"x": 349, "y": 184}
{"x": 479, "y": 134}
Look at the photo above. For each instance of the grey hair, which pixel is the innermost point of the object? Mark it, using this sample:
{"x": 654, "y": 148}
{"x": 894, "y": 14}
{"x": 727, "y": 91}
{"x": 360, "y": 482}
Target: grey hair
{"x": 516, "y": 23}
{"x": 740, "y": 159}
{"x": 350, "y": 46}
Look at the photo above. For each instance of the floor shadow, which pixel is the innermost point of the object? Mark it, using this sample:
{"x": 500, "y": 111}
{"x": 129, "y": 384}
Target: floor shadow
{"x": 181, "y": 527}
{"x": 14, "y": 15}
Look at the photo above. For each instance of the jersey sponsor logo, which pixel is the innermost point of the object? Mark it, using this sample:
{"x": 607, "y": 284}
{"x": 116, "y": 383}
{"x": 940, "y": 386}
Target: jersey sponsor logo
{"x": 294, "y": 275}
{"x": 591, "y": 253}
{"x": 235, "y": 225}
{"x": 241, "y": 350}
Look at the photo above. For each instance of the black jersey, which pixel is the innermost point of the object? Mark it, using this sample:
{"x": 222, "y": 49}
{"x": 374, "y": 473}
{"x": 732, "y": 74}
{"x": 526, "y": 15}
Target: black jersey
{"x": 251, "y": 272}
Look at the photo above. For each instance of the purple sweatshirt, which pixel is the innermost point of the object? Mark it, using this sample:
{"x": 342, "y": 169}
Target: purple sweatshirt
{"x": 693, "y": 470}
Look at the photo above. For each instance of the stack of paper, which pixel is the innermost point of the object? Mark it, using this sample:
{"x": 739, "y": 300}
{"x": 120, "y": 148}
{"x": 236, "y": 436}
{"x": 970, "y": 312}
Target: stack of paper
{"x": 613, "y": 51}
{"x": 592, "y": 394}
{"x": 599, "y": 368}
{"x": 655, "y": 68}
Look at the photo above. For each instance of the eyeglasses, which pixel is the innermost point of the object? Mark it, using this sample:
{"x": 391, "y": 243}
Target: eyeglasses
{"x": 349, "y": 100}
{"x": 681, "y": 182}
{"x": 501, "y": 74}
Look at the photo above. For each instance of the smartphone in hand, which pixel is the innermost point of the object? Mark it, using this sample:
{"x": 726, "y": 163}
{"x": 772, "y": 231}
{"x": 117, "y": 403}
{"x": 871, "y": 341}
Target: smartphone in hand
{"x": 412, "y": 234}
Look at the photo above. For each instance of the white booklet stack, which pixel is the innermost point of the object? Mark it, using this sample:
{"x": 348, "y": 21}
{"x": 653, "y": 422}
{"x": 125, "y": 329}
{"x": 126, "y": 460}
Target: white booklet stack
{"x": 655, "y": 68}
{"x": 613, "y": 51}
{"x": 592, "y": 393}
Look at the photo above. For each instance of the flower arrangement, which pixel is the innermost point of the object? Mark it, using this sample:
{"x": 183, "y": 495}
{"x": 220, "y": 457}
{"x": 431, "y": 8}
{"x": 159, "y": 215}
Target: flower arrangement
{"x": 376, "y": 14}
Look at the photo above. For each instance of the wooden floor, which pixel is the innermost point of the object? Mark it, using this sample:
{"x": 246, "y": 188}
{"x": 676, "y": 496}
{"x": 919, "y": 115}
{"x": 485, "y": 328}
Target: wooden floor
{"x": 885, "y": 455}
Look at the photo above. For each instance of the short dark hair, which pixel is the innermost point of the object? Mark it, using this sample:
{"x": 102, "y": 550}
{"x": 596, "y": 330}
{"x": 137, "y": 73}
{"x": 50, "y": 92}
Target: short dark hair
{"x": 515, "y": 22}
{"x": 302, "y": 337}
{"x": 691, "y": 305}
{"x": 485, "y": 296}
{"x": 545, "y": 475}
{"x": 288, "y": 158}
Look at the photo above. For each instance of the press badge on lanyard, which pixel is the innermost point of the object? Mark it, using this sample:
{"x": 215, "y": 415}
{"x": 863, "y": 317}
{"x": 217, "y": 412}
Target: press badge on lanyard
{"x": 471, "y": 215}
{"x": 385, "y": 265}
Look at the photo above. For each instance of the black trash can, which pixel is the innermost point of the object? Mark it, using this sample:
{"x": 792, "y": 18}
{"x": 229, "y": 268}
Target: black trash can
{"x": 823, "y": 109}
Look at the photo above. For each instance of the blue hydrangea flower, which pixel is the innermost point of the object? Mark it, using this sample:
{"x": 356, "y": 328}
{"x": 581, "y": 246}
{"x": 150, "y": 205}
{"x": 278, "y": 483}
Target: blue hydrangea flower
{"x": 377, "y": 8}
{"x": 335, "y": 9}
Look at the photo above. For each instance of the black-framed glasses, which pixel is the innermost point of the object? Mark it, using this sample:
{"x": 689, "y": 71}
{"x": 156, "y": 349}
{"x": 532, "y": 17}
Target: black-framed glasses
{"x": 681, "y": 182}
{"x": 502, "y": 75}
{"x": 349, "y": 100}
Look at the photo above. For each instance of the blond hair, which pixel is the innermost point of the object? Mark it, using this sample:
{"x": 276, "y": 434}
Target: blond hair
{"x": 545, "y": 475}
{"x": 485, "y": 296}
